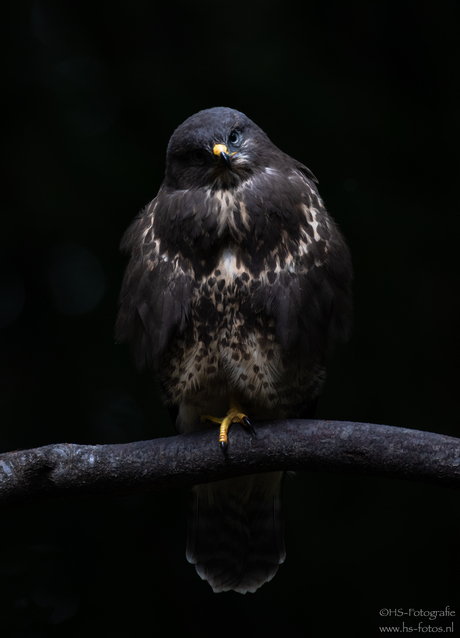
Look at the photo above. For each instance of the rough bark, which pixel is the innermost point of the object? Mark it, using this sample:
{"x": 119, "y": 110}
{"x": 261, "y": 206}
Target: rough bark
{"x": 64, "y": 469}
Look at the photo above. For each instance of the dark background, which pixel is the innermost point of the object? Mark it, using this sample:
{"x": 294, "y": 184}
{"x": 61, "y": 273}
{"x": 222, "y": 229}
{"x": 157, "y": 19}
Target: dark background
{"x": 366, "y": 94}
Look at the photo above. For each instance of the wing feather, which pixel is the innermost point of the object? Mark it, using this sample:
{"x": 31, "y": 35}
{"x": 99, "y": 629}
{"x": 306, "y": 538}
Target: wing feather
{"x": 155, "y": 296}
{"x": 310, "y": 297}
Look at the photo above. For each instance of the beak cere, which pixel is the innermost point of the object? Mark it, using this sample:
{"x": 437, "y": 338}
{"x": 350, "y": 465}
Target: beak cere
{"x": 221, "y": 151}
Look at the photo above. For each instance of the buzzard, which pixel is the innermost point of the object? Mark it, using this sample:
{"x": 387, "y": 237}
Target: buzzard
{"x": 237, "y": 288}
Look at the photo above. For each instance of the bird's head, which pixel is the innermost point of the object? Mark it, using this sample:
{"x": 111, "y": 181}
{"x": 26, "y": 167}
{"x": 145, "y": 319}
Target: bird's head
{"x": 217, "y": 148}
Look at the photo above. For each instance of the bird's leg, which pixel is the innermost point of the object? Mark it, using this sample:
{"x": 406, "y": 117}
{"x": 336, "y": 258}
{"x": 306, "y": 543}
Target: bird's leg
{"x": 234, "y": 415}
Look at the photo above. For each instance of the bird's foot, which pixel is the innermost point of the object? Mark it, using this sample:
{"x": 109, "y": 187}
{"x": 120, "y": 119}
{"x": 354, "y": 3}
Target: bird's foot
{"x": 234, "y": 415}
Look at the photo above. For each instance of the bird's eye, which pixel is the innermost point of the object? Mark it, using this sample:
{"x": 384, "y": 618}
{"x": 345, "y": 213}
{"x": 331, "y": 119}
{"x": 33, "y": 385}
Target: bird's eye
{"x": 198, "y": 157}
{"x": 234, "y": 137}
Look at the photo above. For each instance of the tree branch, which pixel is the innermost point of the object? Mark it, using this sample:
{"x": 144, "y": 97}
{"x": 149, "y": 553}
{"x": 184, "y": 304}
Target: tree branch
{"x": 64, "y": 470}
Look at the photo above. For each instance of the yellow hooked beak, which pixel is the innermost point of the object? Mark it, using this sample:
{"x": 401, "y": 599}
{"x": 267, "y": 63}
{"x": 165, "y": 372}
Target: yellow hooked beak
{"x": 220, "y": 148}
{"x": 221, "y": 151}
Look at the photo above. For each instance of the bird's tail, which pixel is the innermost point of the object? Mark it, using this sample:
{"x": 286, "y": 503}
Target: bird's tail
{"x": 235, "y": 535}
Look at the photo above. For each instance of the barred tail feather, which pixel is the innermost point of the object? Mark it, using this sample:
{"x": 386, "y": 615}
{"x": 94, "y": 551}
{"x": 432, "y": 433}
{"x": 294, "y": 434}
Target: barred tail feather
{"x": 235, "y": 535}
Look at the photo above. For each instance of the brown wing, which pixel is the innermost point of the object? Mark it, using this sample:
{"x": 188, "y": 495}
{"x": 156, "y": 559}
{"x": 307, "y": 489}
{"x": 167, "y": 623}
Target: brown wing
{"x": 155, "y": 295}
{"x": 301, "y": 264}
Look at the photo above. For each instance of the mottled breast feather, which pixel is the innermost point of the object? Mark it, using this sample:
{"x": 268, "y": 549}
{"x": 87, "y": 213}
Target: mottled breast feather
{"x": 275, "y": 223}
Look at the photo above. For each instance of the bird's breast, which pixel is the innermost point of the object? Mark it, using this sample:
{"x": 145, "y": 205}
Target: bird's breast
{"x": 229, "y": 212}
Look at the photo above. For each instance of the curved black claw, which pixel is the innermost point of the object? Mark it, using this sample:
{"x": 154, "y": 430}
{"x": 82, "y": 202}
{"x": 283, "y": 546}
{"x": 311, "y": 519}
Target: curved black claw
{"x": 224, "y": 447}
{"x": 247, "y": 424}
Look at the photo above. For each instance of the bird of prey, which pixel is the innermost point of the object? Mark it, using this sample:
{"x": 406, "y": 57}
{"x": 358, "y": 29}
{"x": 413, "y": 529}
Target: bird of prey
{"x": 237, "y": 288}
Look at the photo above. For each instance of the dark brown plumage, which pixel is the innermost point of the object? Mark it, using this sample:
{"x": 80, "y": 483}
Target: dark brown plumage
{"x": 237, "y": 288}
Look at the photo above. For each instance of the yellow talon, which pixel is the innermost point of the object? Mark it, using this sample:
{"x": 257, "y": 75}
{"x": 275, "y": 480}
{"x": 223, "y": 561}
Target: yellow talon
{"x": 234, "y": 415}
